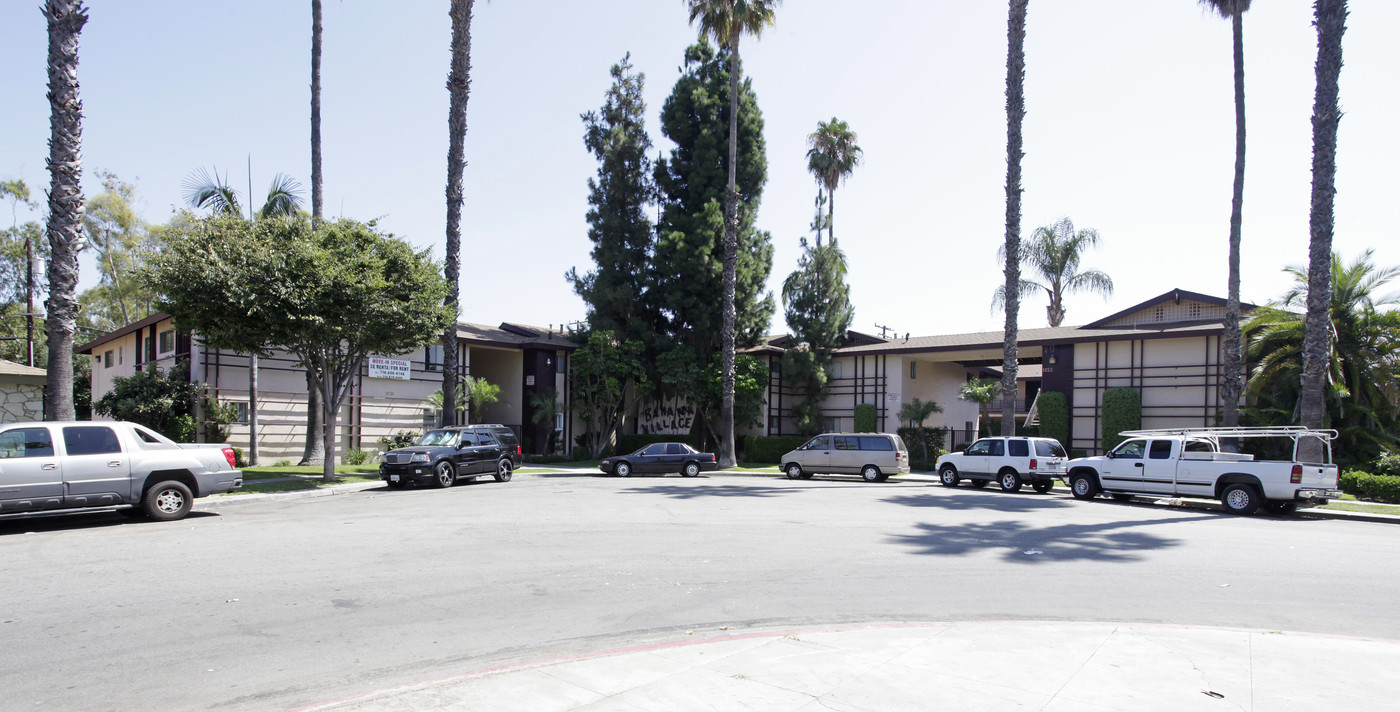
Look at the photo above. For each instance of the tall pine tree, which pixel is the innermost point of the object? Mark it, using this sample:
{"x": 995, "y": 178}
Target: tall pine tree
{"x": 817, "y": 305}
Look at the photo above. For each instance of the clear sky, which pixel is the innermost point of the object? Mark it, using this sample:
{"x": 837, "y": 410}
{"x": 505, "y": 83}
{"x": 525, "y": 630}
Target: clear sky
{"x": 1129, "y": 130}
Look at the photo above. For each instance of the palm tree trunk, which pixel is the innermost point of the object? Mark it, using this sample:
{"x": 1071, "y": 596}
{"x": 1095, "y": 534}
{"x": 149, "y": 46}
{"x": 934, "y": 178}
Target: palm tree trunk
{"x": 313, "y": 452}
{"x": 1015, "y": 113}
{"x": 65, "y": 22}
{"x": 727, "y": 457}
{"x": 458, "y": 86}
{"x": 830, "y": 218}
{"x": 1231, "y": 381}
{"x": 1330, "y": 18}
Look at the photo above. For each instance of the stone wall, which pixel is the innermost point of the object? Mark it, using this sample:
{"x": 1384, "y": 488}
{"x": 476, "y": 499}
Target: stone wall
{"x": 21, "y": 402}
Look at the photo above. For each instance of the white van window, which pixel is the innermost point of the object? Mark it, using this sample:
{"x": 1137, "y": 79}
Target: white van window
{"x": 847, "y": 443}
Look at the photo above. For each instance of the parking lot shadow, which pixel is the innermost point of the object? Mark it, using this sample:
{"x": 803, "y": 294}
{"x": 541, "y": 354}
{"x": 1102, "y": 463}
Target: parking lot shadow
{"x": 707, "y": 489}
{"x": 994, "y": 501}
{"x": 36, "y": 523}
{"x": 1038, "y": 546}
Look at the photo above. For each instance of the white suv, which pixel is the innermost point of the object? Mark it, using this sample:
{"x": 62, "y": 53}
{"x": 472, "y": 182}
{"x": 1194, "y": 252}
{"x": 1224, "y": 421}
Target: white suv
{"x": 1011, "y": 462}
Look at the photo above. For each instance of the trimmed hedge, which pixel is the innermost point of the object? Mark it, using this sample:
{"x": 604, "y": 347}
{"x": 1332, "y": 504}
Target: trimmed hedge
{"x": 934, "y": 438}
{"x": 1377, "y": 488}
{"x": 771, "y": 448}
{"x": 627, "y": 444}
{"x": 866, "y": 415}
{"x": 1122, "y": 410}
{"x": 1054, "y": 416}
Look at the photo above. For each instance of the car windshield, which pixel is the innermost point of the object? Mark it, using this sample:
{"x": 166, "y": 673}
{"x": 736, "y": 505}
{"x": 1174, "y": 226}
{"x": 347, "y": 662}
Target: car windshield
{"x": 439, "y": 438}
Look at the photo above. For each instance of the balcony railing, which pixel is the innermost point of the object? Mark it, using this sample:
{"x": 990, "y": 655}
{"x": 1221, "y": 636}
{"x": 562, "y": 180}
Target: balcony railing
{"x": 995, "y": 407}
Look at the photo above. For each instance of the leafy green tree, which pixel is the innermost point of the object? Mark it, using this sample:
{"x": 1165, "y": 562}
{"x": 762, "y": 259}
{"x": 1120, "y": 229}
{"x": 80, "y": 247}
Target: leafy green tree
{"x": 151, "y": 397}
{"x": 1054, "y": 252}
{"x": 915, "y": 412}
{"x": 832, "y": 155}
{"x": 544, "y": 409}
{"x": 599, "y": 372}
{"x": 1233, "y": 10}
{"x": 66, "y": 19}
{"x": 982, "y": 393}
{"x": 121, "y": 240}
{"x": 1363, "y": 361}
{"x": 1329, "y": 16}
{"x": 19, "y": 281}
{"x": 616, "y": 290}
{"x": 330, "y": 297}
{"x": 1015, "y": 114}
{"x": 687, "y": 267}
{"x": 458, "y": 91}
{"x": 727, "y": 21}
{"x": 817, "y": 306}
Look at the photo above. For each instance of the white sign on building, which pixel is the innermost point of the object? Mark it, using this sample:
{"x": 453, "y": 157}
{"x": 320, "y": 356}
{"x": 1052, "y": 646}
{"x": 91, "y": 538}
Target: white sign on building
{"x": 397, "y": 369}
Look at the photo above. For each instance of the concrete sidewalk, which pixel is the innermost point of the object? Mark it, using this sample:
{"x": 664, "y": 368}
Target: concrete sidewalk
{"x": 1052, "y": 666}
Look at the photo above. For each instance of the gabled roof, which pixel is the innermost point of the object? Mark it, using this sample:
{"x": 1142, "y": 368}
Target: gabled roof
{"x": 1175, "y": 296}
{"x": 10, "y": 368}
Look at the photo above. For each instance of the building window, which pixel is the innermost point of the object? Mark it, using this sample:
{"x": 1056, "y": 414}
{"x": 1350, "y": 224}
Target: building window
{"x": 913, "y": 372}
{"x": 559, "y": 421}
{"x": 167, "y": 341}
{"x": 119, "y": 355}
{"x": 834, "y": 370}
{"x": 558, "y": 362}
{"x": 107, "y": 359}
{"x": 1195, "y": 311}
{"x": 432, "y": 358}
{"x": 147, "y": 348}
{"x": 242, "y": 412}
{"x": 432, "y": 418}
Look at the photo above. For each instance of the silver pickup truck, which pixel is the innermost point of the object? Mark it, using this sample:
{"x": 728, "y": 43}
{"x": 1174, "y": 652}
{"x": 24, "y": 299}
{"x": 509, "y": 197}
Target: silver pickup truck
{"x": 80, "y": 465}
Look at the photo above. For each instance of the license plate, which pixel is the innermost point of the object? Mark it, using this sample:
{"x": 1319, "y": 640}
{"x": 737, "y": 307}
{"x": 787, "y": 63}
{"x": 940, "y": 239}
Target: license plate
{"x": 418, "y": 472}
{"x": 393, "y": 478}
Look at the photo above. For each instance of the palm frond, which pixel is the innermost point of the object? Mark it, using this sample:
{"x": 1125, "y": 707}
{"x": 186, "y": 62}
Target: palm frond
{"x": 206, "y": 189}
{"x": 283, "y": 197}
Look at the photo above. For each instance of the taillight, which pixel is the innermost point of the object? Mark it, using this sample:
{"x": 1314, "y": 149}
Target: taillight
{"x": 1297, "y": 476}
{"x": 712, "y": 457}
{"x": 228, "y": 455}
{"x": 1034, "y": 464}
{"x": 517, "y": 450}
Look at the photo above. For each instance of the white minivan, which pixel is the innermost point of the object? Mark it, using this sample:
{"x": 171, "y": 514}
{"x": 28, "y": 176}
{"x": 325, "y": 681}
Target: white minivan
{"x": 873, "y": 456}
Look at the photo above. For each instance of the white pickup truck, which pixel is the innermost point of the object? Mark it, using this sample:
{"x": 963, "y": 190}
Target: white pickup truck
{"x": 75, "y": 465}
{"x": 1189, "y": 462}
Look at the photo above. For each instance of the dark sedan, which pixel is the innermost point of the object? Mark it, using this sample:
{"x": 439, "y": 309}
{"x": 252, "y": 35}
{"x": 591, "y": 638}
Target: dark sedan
{"x": 661, "y": 458}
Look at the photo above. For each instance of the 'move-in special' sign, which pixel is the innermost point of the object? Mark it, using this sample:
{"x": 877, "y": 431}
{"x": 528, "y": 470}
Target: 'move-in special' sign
{"x": 389, "y": 368}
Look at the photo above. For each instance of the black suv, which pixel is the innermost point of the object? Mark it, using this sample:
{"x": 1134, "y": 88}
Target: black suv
{"x": 444, "y": 455}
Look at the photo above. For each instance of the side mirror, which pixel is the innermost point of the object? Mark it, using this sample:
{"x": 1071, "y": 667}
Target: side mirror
{"x": 1110, "y": 455}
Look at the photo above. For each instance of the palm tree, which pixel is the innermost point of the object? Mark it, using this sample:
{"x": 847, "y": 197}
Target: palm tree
{"x": 458, "y": 88}
{"x": 1330, "y": 18}
{"x": 981, "y": 393}
{"x": 1015, "y": 113}
{"x": 1362, "y": 392}
{"x": 65, "y": 22}
{"x": 916, "y": 411}
{"x": 1234, "y": 10}
{"x": 726, "y": 21}
{"x": 205, "y": 189}
{"x": 313, "y": 453}
{"x": 1054, "y": 252}
{"x": 832, "y": 155}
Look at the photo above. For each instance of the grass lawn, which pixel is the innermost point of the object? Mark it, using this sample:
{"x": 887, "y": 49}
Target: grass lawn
{"x": 273, "y": 471}
{"x": 253, "y": 486}
{"x": 1349, "y": 503}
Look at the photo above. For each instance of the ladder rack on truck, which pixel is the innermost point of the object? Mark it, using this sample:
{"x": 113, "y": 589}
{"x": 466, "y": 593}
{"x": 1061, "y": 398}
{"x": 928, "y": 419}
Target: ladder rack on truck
{"x": 1215, "y": 435}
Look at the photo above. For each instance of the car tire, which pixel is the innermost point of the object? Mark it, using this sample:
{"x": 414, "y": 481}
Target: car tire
{"x": 979, "y": 484}
{"x": 504, "y": 469}
{"x": 443, "y": 475}
{"x": 1280, "y": 507}
{"x": 1240, "y": 499}
{"x": 396, "y": 485}
{"x": 1083, "y": 485}
{"x": 1009, "y": 481}
{"x": 870, "y": 473}
{"x": 948, "y": 475}
{"x": 622, "y": 469}
{"x": 167, "y": 501}
{"x": 692, "y": 469}
{"x": 1043, "y": 486}
{"x": 794, "y": 471}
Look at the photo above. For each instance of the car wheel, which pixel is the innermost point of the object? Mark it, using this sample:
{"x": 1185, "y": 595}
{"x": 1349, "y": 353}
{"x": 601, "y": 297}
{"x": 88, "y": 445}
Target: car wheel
{"x": 794, "y": 471}
{"x": 622, "y": 469}
{"x": 1083, "y": 485}
{"x": 504, "y": 470}
{"x": 870, "y": 473}
{"x": 1042, "y": 486}
{"x": 979, "y": 484}
{"x": 400, "y": 484}
{"x": 1240, "y": 499}
{"x": 167, "y": 501}
{"x": 692, "y": 469}
{"x": 1009, "y": 481}
{"x": 1280, "y": 507}
{"x": 948, "y": 475}
{"x": 443, "y": 475}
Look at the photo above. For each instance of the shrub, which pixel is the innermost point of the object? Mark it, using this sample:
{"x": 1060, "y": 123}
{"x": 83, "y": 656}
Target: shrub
{"x": 866, "y": 415}
{"x": 633, "y": 443}
{"x": 239, "y": 459}
{"x": 771, "y": 448}
{"x": 933, "y": 438}
{"x": 1122, "y": 410}
{"x": 1388, "y": 464}
{"x": 403, "y": 438}
{"x": 355, "y": 457}
{"x": 282, "y": 463}
{"x": 1054, "y": 416}
{"x": 181, "y": 428}
{"x": 1078, "y": 453}
{"x": 1377, "y": 488}
{"x": 547, "y": 459}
